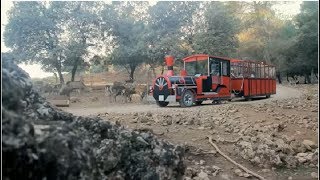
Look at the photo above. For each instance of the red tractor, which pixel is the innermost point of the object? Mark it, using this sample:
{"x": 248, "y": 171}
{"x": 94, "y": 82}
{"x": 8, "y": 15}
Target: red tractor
{"x": 206, "y": 77}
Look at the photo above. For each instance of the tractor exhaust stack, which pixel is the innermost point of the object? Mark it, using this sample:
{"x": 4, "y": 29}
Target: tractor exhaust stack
{"x": 169, "y": 62}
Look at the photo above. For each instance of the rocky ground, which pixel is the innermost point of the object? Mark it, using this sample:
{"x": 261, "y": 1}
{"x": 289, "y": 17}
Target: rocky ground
{"x": 276, "y": 137}
{"x": 40, "y": 141}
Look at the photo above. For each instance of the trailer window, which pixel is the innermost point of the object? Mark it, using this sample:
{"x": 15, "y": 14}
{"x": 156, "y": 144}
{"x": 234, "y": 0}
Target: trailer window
{"x": 253, "y": 73}
{"x": 237, "y": 70}
{"x": 258, "y": 70}
{"x": 262, "y": 71}
{"x": 273, "y": 72}
{"x": 266, "y": 71}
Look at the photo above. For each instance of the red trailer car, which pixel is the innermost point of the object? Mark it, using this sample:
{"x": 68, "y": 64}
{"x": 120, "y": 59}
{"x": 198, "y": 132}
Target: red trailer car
{"x": 206, "y": 77}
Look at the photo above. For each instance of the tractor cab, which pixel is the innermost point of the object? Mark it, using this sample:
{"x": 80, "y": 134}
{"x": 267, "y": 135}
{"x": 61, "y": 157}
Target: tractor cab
{"x": 203, "y": 78}
{"x": 211, "y": 73}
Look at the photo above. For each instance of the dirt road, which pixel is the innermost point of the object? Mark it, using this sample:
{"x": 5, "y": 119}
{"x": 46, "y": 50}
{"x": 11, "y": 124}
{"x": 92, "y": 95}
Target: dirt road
{"x": 85, "y": 109}
{"x": 275, "y": 137}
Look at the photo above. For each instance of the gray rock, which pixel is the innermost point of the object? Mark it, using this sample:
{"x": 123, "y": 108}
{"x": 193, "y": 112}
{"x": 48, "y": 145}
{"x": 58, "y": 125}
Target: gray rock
{"x": 309, "y": 144}
{"x": 203, "y": 176}
{"x": 238, "y": 172}
{"x": 42, "y": 142}
{"x": 225, "y": 177}
{"x": 314, "y": 175}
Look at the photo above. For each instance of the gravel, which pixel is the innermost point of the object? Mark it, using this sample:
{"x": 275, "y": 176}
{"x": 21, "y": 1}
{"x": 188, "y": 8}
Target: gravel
{"x": 42, "y": 142}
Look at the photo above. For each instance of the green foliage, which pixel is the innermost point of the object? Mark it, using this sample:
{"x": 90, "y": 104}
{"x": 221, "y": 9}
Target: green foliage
{"x": 97, "y": 69}
{"x": 128, "y": 34}
{"x": 307, "y": 38}
{"x": 31, "y": 34}
{"x": 281, "y": 46}
{"x": 61, "y": 36}
{"x": 170, "y": 26}
{"x": 259, "y": 25}
{"x": 56, "y": 36}
{"x": 217, "y": 35}
{"x": 296, "y": 46}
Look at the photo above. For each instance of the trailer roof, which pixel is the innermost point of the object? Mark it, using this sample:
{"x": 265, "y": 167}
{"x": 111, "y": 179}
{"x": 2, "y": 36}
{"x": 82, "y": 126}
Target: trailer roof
{"x": 202, "y": 57}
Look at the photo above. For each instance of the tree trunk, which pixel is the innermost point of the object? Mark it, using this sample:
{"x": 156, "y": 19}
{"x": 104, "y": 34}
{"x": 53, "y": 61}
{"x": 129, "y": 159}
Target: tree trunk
{"x": 279, "y": 78}
{"x": 316, "y": 75}
{"x": 307, "y": 79}
{"x": 162, "y": 70}
{"x": 56, "y": 77}
{"x": 154, "y": 72}
{"x": 132, "y": 69}
{"x": 153, "y": 69}
{"x": 58, "y": 68}
{"x": 74, "y": 68}
{"x": 60, "y": 76}
{"x": 288, "y": 78}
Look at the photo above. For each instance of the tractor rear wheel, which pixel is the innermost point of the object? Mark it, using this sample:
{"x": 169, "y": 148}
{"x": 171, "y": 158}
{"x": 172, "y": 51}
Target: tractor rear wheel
{"x": 187, "y": 99}
{"x": 162, "y": 103}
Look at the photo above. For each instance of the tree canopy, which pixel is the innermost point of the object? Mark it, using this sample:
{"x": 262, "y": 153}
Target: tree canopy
{"x": 64, "y": 36}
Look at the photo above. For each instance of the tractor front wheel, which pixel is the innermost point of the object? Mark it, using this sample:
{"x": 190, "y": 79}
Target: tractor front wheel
{"x": 162, "y": 103}
{"x": 187, "y": 99}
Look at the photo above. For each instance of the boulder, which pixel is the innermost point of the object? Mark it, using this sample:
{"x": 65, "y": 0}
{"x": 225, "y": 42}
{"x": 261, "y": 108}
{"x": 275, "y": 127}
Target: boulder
{"x": 40, "y": 141}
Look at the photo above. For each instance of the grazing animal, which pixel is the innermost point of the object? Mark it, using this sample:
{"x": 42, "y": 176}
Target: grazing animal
{"x": 65, "y": 90}
{"x": 47, "y": 89}
{"x": 126, "y": 90}
{"x": 77, "y": 85}
{"x": 114, "y": 90}
{"x": 142, "y": 90}
{"x": 70, "y": 86}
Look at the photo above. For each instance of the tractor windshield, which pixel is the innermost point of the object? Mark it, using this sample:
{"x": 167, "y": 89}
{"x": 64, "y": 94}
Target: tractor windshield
{"x": 196, "y": 67}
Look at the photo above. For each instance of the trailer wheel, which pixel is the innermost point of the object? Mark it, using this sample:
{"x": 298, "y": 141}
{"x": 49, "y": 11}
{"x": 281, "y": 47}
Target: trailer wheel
{"x": 162, "y": 103}
{"x": 268, "y": 96}
{"x": 187, "y": 99}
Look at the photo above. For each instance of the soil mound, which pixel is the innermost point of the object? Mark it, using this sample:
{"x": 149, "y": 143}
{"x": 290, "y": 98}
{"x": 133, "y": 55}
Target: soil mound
{"x": 40, "y": 141}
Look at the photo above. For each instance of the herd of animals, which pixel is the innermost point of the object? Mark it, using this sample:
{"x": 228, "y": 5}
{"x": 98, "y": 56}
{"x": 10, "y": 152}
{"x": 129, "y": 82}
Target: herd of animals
{"x": 126, "y": 89}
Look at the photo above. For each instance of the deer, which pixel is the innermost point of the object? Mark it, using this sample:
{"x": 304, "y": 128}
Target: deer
{"x": 114, "y": 90}
{"x": 78, "y": 85}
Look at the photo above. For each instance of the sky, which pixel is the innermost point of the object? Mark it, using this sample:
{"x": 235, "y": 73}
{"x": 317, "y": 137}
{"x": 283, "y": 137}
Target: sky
{"x": 290, "y": 8}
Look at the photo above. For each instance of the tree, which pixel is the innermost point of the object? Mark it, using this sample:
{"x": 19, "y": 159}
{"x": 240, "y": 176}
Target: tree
{"x": 295, "y": 47}
{"x": 82, "y": 28}
{"x": 123, "y": 26}
{"x": 217, "y": 34}
{"x": 307, "y": 38}
{"x": 128, "y": 52}
{"x": 280, "y": 47}
{"x": 55, "y": 34}
{"x": 170, "y": 31}
{"x": 259, "y": 24}
{"x": 33, "y": 36}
